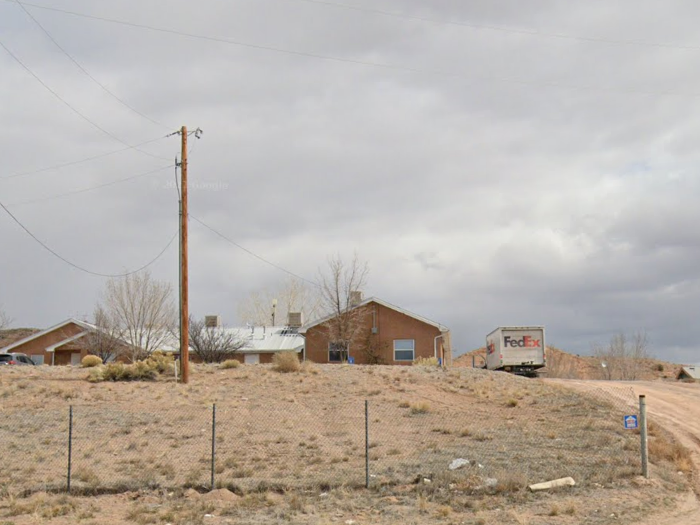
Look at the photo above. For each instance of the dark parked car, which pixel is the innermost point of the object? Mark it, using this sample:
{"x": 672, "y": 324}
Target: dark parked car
{"x": 15, "y": 359}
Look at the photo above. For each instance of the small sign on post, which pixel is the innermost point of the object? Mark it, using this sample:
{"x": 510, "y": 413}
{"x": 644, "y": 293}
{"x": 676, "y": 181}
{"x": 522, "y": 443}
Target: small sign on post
{"x": 351, "y": 360}
{"x": 631, "y": 422}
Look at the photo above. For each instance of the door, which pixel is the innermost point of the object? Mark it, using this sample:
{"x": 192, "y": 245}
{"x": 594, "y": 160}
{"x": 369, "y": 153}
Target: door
{"x": 75, "y": 359}
{"x": 251, "y": 359}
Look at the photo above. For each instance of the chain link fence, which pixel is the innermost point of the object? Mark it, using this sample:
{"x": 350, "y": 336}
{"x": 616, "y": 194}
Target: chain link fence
{"x": 377, "y": 442}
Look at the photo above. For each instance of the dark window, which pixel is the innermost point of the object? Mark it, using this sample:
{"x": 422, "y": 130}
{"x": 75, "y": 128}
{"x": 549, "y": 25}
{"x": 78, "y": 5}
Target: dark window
{"x": 337, "y": 352}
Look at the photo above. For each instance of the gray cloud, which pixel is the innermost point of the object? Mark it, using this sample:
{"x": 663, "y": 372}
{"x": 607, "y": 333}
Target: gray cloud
{"x": 514, "y": 178}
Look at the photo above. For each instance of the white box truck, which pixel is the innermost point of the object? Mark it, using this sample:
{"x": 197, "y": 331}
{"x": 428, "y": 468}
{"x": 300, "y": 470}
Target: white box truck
{"x": 516, "y": 349}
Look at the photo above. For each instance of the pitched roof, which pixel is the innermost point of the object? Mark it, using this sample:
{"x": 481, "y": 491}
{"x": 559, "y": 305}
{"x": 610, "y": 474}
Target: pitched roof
{"x": 259, "y": 339}
{"x": 690, "y": 371}
{"x": 422, "y": 319}
{"x": 82, "y": 324}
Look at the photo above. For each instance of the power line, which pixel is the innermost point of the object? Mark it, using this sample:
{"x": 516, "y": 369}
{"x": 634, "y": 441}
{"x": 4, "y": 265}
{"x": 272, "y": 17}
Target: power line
{"x": 527, "y": 32}
{"x": 70, "y": 106}
{"x": 446, "y": 74}
{"x": 227, "y": 239}
{"x": 73, "y": 163}
{"x": 86, "y": 72}
{"x": 82, "y": 269}
{"x": 91, "y": 188}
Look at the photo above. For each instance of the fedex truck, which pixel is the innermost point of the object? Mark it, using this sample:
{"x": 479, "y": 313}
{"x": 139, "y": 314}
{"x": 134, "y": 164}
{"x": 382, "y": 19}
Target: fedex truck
{"x": 516, "y": 349}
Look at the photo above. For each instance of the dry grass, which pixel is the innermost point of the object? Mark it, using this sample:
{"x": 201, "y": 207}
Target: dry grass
{"x": 427, "y": 361}
{"x": 286, "y": 362}
{"x": 420, "y": 407}
{"x": 662, "y": 448}
{"x": 230, "y": 363}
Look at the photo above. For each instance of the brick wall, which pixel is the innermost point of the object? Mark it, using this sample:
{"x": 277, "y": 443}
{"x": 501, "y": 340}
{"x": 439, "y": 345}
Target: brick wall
{"x": 390, "y": 325}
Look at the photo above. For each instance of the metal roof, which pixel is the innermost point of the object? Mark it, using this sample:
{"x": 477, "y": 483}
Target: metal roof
{"x": 691, "y": 371}
{"x": 259, "y": 339}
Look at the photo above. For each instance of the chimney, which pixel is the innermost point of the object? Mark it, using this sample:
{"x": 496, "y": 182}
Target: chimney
{"x": 212, "y": 321}
{"x": 355, "y": 298}
{"x": 295, "y": 319}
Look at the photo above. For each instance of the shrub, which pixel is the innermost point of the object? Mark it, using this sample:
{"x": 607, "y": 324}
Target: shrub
{"x": 426, "y": 361}
{"x": 286, "y": 362}
{"x": 512, "y": 403}
{"x": 659, "y": 367}
{"x": 116, "y": 372}
{"x": 420, "y": 408}
{"x": 230, "y": 363}
{"x": 161, "y": 363}
{"x": 90, "y": 361}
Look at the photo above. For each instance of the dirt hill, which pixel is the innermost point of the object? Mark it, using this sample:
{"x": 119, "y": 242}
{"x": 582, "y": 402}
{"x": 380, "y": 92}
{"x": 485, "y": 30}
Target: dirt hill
{"x": 290, "y": 448}
{"x": 7, "y": 337}
{"x": 561, "y": 364}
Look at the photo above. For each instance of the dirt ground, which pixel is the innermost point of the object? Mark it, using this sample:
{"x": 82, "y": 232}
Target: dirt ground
{"x": 292, "y": 449}
{"x": 676, "y": 407}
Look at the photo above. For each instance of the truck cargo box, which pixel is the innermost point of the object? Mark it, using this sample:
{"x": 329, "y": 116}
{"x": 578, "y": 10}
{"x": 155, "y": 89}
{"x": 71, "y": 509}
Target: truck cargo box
{"x": 517, "y": 349}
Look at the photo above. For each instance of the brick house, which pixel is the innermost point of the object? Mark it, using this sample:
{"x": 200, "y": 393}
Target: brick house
{"x": 57, "y": 345}
{"x": 385, "y": 334}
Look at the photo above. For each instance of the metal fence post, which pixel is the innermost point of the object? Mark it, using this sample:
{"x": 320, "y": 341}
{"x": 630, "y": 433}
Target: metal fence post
{"x": 70, "y": 444}
{"x": 213, "y": 444}
{"x": 643, "y": 434}
{"x": 366, "y": 444}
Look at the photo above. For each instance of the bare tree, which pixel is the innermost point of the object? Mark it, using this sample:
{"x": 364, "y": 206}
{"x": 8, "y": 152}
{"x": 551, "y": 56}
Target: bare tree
{"x": 144, "y": 311}
{"x": 5, "y": 320}
{"x": 340, "y": 286}
{"x": 622, "y": 358}
{"x": 106, "y": 340}
{"x": 294, "y": 295}
{"x": 214, "y": 344}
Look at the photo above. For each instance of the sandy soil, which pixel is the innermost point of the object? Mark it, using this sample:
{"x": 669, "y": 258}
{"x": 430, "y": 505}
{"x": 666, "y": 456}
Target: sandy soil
{"x": 301, "y": 427}
{"x": 676, "y": 407}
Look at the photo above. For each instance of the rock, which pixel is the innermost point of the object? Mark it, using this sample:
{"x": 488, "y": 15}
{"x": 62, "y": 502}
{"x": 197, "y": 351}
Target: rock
{"x": 561, "y": 482}
{"x": 426, "y": 480}
{"x": 220, "y": 495}
{"x": 458, "y": 463}
{"x": 490, "y": 482}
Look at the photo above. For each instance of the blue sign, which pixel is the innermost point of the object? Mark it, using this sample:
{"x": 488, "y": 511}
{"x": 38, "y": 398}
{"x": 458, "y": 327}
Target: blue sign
{"x": 351, "y": 360}
{"x": 631, "y": 422}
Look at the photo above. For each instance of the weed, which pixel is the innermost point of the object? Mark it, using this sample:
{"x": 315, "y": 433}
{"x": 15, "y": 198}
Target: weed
{"x": 286, "y": 362}
{"x": 230, "y": 363}
{"x": 420, "y": 408}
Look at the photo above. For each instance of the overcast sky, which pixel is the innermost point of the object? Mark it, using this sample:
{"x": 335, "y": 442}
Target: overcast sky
{"x": 496, "y": 162}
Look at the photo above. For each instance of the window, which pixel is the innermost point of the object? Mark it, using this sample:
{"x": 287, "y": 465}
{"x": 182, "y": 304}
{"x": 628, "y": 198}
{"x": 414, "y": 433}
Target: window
{"x": 38, "y": 359}
{"x": 404, "y": 349}
{"x": 337, "y": 352}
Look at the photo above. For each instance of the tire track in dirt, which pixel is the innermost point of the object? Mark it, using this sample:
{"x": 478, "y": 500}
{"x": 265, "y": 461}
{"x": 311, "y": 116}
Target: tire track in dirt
{"x": 676, "y": 407}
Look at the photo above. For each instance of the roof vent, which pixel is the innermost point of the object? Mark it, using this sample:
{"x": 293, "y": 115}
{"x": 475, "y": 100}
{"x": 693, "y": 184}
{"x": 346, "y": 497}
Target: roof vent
{"x": 212, "y": 321}
{"x": 295, "y": 319}
{"x": 355, "y": 298}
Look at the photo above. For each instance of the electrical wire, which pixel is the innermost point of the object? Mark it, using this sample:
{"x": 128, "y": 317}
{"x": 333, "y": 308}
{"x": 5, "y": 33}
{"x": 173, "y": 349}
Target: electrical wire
{"x": 85, "y": 71}
{"x": 91, "y": 188}
{"x": 227, "y": 239}
{"x": 82, "y": 269}
{"x": 527, "y": 32}
{"x": 393, "y": 67}
{"x": 70, "y": 106}
{"x": 73, "y": 163}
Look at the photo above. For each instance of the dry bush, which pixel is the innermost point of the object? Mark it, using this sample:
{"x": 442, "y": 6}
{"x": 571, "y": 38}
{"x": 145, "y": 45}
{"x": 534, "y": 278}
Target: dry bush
{"x": 286, "y": 362}
{"x": 90, "y": 361}
{"x": 661, "y": 449}
{"x": 420, "y": 408}
{"x": 230, "y": 363}
{"x": 161, "y": 363}
{"x": 426, "y": 361}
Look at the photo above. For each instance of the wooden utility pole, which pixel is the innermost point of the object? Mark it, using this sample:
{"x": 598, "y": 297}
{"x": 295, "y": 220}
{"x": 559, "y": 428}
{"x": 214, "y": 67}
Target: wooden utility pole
{"x": 184, "y": 294}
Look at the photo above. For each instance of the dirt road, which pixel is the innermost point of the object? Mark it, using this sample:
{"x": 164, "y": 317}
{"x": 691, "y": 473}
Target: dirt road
{"x": 676, "y": 407}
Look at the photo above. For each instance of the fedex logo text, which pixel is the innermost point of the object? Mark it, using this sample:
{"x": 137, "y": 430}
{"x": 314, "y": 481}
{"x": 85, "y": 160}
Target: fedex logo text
{"x": 522, "y": 342}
